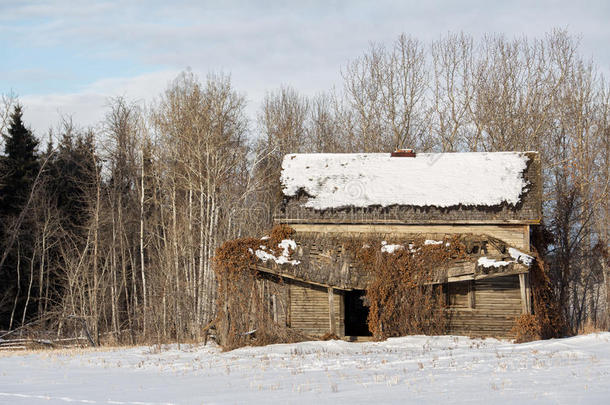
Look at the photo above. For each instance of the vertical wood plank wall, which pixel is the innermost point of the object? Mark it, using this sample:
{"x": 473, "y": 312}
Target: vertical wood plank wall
{"x": 309, "y": 310}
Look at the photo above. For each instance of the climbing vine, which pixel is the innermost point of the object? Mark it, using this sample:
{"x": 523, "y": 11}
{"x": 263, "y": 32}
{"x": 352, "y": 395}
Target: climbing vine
{"x": 403, "y": 296}
{"x": 547, "y": 321}
{"x": 244, "y": 312}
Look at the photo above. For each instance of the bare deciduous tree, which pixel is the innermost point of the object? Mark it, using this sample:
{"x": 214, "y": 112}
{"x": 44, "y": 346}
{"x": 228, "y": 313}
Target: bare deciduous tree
{"x": 170, "y": 185}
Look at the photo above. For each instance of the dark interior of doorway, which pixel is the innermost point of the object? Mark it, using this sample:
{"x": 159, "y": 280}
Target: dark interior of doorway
{"x": 356, "y": 314}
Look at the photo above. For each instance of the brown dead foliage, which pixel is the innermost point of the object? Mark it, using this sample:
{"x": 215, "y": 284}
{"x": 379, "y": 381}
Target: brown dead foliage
{"x": 547, "y": 321}
{"x": 527, "y": 328}
{"x": 329, "y": 336}
{"x": 244, "y": 315}
{"x": 279, "y": 233}
{"x": 402, "y": 300}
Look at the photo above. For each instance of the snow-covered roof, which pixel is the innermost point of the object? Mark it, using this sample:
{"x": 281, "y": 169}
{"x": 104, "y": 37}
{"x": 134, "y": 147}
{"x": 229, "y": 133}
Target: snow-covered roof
{"x": 429, "y": 179}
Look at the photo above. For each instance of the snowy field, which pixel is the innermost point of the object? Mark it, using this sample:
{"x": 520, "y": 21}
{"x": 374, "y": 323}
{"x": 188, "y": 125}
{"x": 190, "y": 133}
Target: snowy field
{"x": 416, "y": 369}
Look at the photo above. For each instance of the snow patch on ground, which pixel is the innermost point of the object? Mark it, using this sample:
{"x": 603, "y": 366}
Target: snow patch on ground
{"x": 415, "y": 369}
{"x": 336, "y": 180}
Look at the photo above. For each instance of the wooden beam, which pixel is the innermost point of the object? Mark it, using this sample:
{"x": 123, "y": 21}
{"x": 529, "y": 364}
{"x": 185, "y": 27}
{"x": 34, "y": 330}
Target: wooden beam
{"x": 377, "y": 221}
{"x": 331, "y": 310}
{"x": 511, "y": 234}
{"x": 274, "y": 304}
{"x": 289, "y": 307}
{"x": 517, "y": 269}
{"x": 471, "y": 302}
{"x": 526, "y": 305}
{"x": 278, "y": 273}
{"x": 528, "y": 293}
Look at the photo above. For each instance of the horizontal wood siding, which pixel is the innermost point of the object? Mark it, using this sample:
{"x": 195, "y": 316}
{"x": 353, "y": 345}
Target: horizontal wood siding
{"x": 497, "y": 304}
{"x": 457, "y": 294}
{"x": 514, "y": 235}
{"x": 309, "y": 310}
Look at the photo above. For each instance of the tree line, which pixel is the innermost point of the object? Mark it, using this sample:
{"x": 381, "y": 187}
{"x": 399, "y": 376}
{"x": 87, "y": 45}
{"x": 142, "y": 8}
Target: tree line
{"x": 116, "y": 225}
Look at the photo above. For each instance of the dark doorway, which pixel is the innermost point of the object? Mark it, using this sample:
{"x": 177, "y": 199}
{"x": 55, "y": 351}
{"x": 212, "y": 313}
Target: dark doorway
{"x": 356, "y": 314}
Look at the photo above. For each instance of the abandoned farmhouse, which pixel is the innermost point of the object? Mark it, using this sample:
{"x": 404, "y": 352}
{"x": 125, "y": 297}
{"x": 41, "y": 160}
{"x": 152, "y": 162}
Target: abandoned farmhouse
{"x": 486, "y": 202}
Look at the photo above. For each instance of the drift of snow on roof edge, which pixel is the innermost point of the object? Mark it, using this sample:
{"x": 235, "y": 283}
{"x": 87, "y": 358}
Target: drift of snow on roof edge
{"x": 339, "y": 180}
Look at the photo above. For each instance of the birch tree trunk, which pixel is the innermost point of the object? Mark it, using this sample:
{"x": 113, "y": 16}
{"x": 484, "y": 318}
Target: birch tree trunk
{"x": 142, "y": 270}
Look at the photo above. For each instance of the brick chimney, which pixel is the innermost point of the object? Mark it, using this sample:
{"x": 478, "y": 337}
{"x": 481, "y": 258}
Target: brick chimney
{"x": 403, "y": 153}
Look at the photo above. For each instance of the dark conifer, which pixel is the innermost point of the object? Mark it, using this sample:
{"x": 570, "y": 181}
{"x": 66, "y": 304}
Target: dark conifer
{"x": 20, "y": 165}
{"x": 72, "y": 177}
{"x": 19, "y": 168}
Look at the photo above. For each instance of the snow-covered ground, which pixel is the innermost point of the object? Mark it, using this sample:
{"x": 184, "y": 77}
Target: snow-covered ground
{"x": 417, "y": 369}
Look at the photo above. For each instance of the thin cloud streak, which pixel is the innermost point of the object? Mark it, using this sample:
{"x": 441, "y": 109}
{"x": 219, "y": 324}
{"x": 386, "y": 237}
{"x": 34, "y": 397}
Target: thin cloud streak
{"x": 88, "y": 106}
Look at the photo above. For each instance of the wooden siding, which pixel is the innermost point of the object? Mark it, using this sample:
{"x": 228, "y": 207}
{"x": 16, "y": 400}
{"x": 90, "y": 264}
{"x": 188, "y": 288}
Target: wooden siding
{"x": 309, "y": 310}
{"x": 458, "y": 295}
{"x": 514, "y": 235}
{"x": 497, "y": 302}
{"x": 277, "y": 299}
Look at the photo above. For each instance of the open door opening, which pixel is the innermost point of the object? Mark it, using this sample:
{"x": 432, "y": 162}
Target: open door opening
{"x": 356, "y": 314}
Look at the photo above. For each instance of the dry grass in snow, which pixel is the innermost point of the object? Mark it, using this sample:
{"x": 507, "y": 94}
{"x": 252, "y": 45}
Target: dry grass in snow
{"x": 416, "y": 369}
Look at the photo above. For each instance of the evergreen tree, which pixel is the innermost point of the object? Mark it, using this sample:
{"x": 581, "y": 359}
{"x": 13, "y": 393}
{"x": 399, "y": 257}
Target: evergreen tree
{"x": 20, "y": 165}
{"x": 19, "y": 168}
{"x": 72, "y": 178}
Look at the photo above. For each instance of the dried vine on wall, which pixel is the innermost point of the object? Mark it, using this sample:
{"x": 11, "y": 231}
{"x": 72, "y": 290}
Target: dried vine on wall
{"x": 547, "y": 321}
{"x": 402, "y": 299}
{"x": 244, "y": 315}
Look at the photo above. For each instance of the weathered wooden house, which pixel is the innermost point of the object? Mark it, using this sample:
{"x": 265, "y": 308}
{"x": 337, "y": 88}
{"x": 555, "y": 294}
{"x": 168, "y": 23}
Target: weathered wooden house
{"x": 489, "y": 200}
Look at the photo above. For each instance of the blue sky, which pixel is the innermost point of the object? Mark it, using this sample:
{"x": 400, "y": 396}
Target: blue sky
{"x": 68, "y": 57}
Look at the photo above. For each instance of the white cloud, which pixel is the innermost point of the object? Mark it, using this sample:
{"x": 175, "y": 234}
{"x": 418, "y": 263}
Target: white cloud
{"x": 87, "y": 107}
{"x": 262, "y": 45}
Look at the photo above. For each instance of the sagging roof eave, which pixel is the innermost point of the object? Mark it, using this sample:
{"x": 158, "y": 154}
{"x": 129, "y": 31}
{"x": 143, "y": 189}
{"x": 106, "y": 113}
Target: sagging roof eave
{"x": 476, "y": 274}
{"x": 276, "y": 270}
{"x": 471, "y": 272}
{"x": 461, "y": 221}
